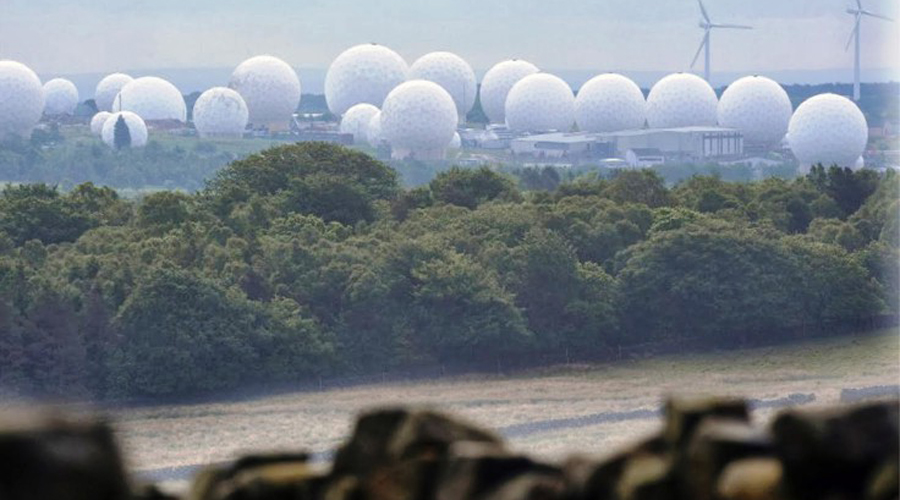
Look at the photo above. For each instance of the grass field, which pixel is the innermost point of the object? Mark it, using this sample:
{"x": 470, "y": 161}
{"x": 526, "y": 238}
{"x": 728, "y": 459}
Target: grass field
{"x": 172, "y": 436}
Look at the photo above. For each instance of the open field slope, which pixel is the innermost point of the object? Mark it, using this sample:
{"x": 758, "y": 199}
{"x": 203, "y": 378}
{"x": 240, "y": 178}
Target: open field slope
{"x": 593, "y": 409}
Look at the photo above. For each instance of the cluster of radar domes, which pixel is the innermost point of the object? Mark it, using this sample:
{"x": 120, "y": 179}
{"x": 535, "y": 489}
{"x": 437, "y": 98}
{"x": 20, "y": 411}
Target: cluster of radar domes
{"x": 415, "y": 109}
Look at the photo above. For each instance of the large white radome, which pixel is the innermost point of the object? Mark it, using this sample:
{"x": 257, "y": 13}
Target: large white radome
{"x": 60, "y": 97}
{"x": 153, "y": 99}
{"x": 363, "y": 74}
{"x": 828, "y": 129}
{"x": 451, "y": 72}
{"x": 356, "y": 121}
{"x": 540, "y": 102}
{"x": 136, "y": 128}
{"x": 220, "y": 112}
{"x": 21, "y": 99}
{"x": 373, "y": 132}
{"x": 97, "y": 122}
{"x": 758, "y": 107}
{"x": 108, "y": 88}
{"x": 496, "y": 84}
{"x": 271, "y": 89}
{"x": 681, "y": 100}
{"x": 419, "y": 119}
{"x": 609, "y": 103}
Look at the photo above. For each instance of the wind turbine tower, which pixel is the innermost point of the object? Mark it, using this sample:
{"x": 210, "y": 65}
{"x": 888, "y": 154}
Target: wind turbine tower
{"x": 858, "y": 13}
{"x": 707, "y": 25}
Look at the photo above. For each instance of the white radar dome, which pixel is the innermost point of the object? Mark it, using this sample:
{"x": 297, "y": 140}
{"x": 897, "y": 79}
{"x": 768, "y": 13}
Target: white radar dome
{"x": 758, "y": 107}
{"x": 356, "y": 121}
{"x": 60, "y": 97}
{"x": 451, "y": 72}
{"x": 540, "y": 102}
{"x": 828, "y": 129}
{"x": 220, "y": 112}
{"x": 137, "y": 129}
{"x": 681, "y": 100}
{"x": 609, "y": 103}
{"x": 363, "y": 74}
{"x": 97, "y": 122}
{"x": 496, "y": 84}
{"x": 419, "y": 119}
{"x": 108, "y": 88}
{"x": 373, "y": 133}
{"x": 153, "y": 99}
{"x": 271, "y": 89}
{"x": 21, "y": 99}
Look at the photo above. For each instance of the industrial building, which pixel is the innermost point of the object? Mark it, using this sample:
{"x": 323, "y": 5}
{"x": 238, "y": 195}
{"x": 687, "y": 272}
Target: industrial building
{"x": 684, "y": 143}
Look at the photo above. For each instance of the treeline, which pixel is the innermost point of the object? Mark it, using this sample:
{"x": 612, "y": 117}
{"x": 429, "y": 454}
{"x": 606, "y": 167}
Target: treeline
{"x": 310, "y": 260}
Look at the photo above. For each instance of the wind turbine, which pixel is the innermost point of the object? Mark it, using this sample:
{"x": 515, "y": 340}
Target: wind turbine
{"x": 859, "y": 12}
{"x": 707, "y": 25}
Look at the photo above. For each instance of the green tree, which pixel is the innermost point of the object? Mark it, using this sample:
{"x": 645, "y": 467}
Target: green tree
{"x": 472, "y": 187}
{"x": 121, "y": 134}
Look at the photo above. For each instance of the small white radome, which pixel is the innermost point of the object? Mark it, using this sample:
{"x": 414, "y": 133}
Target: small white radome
{"x": 356, "y": 121}
{"x": 220, "y": 112}
{"x": 153, "y": 99}
{"x": 271, "y": 90}
{"x": 681, "y": 100}
{"x": 757, "y": 106}
{"x": 97, "y": 122}
{"x": 828, "y": 129}
{"x": 419, "y": 119}
{"x": 21, "y": 99}
{"x": 363, "y": 74}
{"x": 108, "y": 88}
{"x": 609, "y": 103}
{"x": 137, "y": 129}
{"x": 496, "y": 84}
{"x": 540, "y": 102}
{"x": 60, "y": 97}
{"x": 452, "y": 73}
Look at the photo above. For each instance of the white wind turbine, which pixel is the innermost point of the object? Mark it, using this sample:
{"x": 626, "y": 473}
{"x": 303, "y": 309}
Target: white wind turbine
{"x": 859, "y": 12}
{"x": 707, "y": 25}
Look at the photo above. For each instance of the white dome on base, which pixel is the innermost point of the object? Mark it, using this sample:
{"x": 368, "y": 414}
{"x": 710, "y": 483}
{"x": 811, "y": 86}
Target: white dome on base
{"x": 21, "y": 99}
{"x": 108, "y": 88}
{"x": 356, "y": 121}
{"x": 363, "y": 74}
{"x": 136, "y": 128}
{"x": 496, "y": 84}
{"x": 451, "y": 72}
{"x": 60, "y": 97}
{"x": 757, "y": 106}
{"x": 419, "y": 119}
{"x": 539, "y": 103}
{"x": 609, "y": 103}
{"x": 153, "y": 99}
{"x": 97, "y": 122}
{"x": 271, "y": 90}
{"x": 681, "y": 100}
{"x": 828, "y": 129}
{"x": 220, "y": 112}
{"x": 373, "y": 132}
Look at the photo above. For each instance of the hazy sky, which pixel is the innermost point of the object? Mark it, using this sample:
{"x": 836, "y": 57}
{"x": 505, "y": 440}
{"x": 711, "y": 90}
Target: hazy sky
{"x": 56, "y": 36}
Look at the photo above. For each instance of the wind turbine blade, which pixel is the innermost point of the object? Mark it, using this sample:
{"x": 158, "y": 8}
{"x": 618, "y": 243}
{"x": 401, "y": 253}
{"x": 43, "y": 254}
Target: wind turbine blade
{"x": 700, "y": 49}
{"x": 735, "y": 26}
{"x": 852, "y": 34}
{"x": 879, "y": 16}
{"x": 859, "y": 4}
{"x": 705, "y": 14}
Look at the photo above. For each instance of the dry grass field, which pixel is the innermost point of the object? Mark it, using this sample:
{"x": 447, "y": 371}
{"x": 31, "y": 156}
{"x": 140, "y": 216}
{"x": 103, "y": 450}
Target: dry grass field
{"x": 592, "y": 409}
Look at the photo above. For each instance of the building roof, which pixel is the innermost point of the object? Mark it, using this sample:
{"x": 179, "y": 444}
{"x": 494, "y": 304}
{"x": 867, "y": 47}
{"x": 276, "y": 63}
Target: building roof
{"x": 560, "y": 137}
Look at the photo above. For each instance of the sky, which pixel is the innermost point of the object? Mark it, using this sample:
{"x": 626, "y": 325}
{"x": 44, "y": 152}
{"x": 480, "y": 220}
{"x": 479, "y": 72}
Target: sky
{"x": 96, "y": 36}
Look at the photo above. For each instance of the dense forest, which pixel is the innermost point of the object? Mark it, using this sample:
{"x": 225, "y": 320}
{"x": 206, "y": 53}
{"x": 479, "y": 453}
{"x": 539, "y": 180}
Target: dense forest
{"x": 310, "y": 260}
